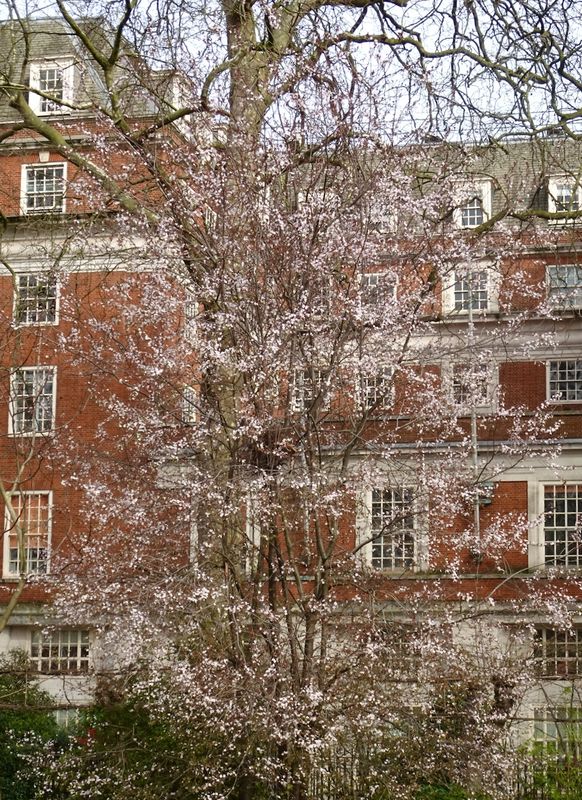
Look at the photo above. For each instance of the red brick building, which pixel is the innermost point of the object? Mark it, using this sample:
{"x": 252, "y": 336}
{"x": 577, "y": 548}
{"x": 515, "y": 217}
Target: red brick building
{"x": 474, "y": 428}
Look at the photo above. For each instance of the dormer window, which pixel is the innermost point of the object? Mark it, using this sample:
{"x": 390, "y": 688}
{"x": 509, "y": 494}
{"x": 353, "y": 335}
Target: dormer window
{"x": 381, "y": 217}
{"x": 475, "y": 206}
{"x": 567, "y": 198}
{"x": 564, "y": 195}
{"x": 53, "y": 82}
{"x": 472, "y": 214}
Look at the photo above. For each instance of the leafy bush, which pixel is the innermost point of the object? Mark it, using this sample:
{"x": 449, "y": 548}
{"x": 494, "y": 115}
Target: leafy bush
{"x": 25, "y": 724}
{"x": 556, "y": 781}
{"x": 445, "y": 792}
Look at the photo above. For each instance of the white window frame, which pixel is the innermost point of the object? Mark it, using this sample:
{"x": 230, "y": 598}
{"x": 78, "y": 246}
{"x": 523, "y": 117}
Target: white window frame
{"x": 558, "y": 652}
{"x": 13, "y": 429}
{"x": 190, "y": 319}
{"x": 365, "y": 531}
{"x": 210, "y": 219}
{"x": 377, "y": 288}
{"x": 315, "y": 199}
{"x": 451, "y": 306}
{"x": 578, "y": 367}
{"x": 547, "y": 733}
{"x": 51, "y": 657}
{"x": 179, "y": 99}
{"x": 365, "y": 391}
{"x": 190, "y": 405}
{"x": 252, "y": 531}
{"x": 67, "y": 718}
{"x": 575, "y": 530}
{"x": 28, "y": 212}
{"x": 381, "y": 218}
{"x": 302, "y": 395}
{"x": 36, "y": 101}
{"x": 490, "y": 374}
{"x": 555, "y": 184}
{"x": 566, "y": 295}
{"x": 17, "y": 305}
{"x": 474, "y": 188}
{"x": 8, "y": 532}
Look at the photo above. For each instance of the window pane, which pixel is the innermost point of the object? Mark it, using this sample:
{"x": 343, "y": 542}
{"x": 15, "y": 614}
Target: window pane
{"x": 50, "y": 80}
{"x": 36, "y": 298}
{"x": 566, "y": 197}
{"x": 60, "y": 651}
{"x": 565, "y": 286}
{"x": 471, "y": 291}
{"x": 376, "y": 391}
{"x": 393, "y": 529}
{"x": 308, "y": 386}
{"x": 558, "y": 653}
{"x": 563, "y": 532}
{"x": 565, "y": 380}
{"x": 32, "y": 400}
{"x": 558, "y": 731}
{"x": 472, "y": 385}
{"x": 377, "y": 288}
{"x": 472, "y": 213}
{"x": 45, "y": 189}
{"x": 28, "y": 538}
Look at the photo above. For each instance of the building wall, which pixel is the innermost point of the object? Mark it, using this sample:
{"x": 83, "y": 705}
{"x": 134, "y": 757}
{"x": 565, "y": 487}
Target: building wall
{"x": 118, "y": 394}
